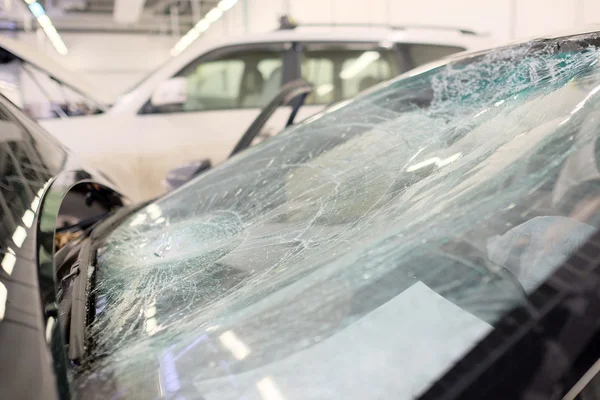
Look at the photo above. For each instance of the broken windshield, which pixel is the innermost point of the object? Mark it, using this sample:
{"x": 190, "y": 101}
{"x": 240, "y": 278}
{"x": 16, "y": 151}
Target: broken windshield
{"x": 381, "y": 238}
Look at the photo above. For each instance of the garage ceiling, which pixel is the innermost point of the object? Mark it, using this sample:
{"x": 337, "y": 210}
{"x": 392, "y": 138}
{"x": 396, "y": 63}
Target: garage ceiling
{"x": 122, "y": 16}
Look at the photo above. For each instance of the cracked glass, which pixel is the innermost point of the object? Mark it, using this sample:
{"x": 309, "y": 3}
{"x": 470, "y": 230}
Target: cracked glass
{"x": 379, "y": 239}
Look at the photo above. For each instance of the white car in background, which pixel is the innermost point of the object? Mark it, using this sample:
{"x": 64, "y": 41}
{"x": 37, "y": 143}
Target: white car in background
{"x": 44, "y": 88}
{"x": 198, "y": 104}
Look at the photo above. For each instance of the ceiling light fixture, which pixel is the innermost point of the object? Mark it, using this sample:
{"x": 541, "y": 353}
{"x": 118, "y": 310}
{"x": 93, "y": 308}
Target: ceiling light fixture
{"x": 213, "y": 15}
{"x": 46, "y": 24}
{"x": 225, "y": 5}
{"x": 202, "y": 26}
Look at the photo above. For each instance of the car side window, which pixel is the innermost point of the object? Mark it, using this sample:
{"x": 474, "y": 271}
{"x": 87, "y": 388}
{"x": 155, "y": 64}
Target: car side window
{"x": 339, "y": 72}
{"x": 215, "y": 85}
{"x": 362, "y": 72}
{"x": 244, "y": 79}
{"x": 423, "y": 53}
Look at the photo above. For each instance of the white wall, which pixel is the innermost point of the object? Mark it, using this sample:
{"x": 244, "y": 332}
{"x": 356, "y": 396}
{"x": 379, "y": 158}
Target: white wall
{"x": 504, "y": 19}
{"x": 118, "y": 61}
{"x": 113, "y": 62}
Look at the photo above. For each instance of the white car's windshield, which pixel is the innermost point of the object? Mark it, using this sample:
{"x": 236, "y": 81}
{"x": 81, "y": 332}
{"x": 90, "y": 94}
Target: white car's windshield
{"x": 361, "y": 253}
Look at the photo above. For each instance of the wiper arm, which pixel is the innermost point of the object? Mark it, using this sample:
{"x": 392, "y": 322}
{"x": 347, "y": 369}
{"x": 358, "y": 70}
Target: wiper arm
{"x": 79, "y": 301}
{"x": 80, "y": 292}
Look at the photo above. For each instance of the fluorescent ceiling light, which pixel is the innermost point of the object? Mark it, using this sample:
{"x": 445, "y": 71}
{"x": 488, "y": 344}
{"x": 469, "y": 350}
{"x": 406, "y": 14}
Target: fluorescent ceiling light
{"x": 192, "y": 35}
{"x": 362, "y": 62}
{"x": 213, "y": 15}
{"x": 46, "y": 24}
{"x": 128, "y": 11}
{"x": 225, "y": 5}
{"x": 37, "y": 10}
{"x": 202, "y": 26}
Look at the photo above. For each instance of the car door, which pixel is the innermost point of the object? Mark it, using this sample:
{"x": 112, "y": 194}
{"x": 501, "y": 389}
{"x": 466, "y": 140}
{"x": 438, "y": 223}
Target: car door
{"x": 207, "y": 107}
{"x": 341, "y": 70}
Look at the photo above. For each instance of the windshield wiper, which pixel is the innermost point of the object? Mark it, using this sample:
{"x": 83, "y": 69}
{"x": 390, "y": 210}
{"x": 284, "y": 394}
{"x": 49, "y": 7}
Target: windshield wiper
{"x": 79, "y": 301}
{"x": 83, "y": 283}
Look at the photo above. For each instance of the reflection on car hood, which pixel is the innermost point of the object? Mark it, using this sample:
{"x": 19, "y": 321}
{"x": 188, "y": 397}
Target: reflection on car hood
{"x": 353, "y": 249}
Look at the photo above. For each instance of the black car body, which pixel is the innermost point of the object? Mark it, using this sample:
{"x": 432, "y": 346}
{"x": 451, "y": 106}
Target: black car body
{"x": 364, "y": 253}
{"x": 38, "y": 174}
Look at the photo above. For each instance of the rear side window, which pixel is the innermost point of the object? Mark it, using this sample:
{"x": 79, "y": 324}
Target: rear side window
{"x": 423, "y": 53}
{"x": 320, "y": 72}
{"x": 238, "y": 82}
{"x": 339, "y": 73}
{"x": 366, "y": 70}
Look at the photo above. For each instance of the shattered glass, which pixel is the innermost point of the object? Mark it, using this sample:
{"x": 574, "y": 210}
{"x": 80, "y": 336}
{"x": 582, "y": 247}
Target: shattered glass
{"x": 363, "y": 252}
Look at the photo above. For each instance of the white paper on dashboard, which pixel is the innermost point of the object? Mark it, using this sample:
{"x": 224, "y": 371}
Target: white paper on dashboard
{"x": 396, "y": 351}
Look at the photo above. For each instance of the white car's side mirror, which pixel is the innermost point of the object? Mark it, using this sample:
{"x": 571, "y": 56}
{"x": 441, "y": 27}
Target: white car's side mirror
{"x": 171, "y": 92}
